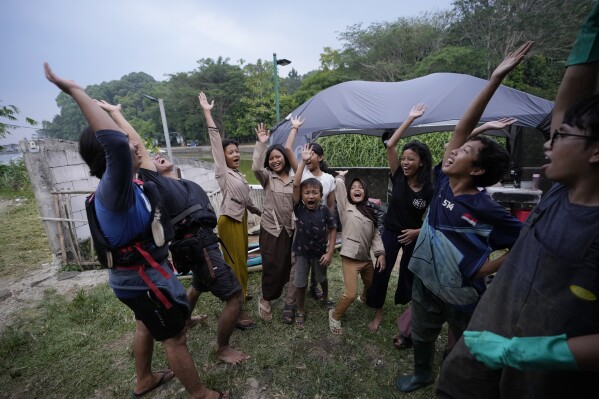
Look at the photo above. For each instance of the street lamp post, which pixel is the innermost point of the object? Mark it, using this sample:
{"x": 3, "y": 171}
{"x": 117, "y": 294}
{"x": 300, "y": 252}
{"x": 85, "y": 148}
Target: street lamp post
{"x": 164, "y": 125}
{"x": 276, "y": 62}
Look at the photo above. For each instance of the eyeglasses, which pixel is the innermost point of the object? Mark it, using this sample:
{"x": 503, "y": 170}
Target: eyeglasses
{"x": 558, "y": 135}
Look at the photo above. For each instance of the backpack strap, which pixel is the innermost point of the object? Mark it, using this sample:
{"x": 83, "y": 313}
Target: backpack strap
{"x": 185, "y": 213}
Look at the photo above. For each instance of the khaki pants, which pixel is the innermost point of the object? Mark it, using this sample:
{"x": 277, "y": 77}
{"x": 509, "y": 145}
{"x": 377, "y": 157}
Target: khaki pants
{"x": 353, "y": 268}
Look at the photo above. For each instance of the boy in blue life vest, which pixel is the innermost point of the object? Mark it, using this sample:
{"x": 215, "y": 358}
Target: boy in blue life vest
{"x": 463, "y": 226}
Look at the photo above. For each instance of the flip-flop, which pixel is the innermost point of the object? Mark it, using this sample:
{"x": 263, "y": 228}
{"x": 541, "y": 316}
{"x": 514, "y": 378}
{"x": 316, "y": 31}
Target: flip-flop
{"x": 167, "y": 375}
{"x": 334, "y": 325}
{"x": 264, "y": 312}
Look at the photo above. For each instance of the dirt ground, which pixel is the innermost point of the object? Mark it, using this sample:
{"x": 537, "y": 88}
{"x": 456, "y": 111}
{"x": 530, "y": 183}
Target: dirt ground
{"x": 26, "y": 291}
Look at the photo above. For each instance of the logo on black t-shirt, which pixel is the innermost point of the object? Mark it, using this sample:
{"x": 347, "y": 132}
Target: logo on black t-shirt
{"x": 419, "y": 203}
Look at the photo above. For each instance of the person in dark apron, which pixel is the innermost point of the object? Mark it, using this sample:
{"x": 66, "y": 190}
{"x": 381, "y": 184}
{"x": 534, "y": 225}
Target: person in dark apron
{"x": 535, "y": 333}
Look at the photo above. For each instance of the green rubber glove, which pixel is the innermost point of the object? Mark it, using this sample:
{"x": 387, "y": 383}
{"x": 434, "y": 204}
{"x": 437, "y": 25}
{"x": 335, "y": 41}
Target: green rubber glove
{"x": 530, "y": 353}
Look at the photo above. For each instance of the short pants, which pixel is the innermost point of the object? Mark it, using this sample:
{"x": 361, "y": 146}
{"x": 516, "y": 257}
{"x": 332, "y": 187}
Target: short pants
{"x": 302, "y": 269}
{"x": 225, "y": 284}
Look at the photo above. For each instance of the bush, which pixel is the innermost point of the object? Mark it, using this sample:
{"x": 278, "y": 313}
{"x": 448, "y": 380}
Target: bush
{"x": 14, "y": 179}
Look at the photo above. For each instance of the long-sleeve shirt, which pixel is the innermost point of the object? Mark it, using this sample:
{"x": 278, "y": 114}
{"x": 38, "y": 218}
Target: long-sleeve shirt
{"x": 278, "y": 195}
{"x": 359, "y": 233}
{"x": 233, "y": 185}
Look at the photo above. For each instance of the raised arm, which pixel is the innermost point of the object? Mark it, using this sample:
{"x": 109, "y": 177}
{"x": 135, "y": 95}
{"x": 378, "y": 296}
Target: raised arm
{"x": 416, "y": 112}
{"x": 262, "y": 136}
{"x": 492, "y": 125}
{"x": 296, "y": 122}
{"x": 94, "y": 115}
{"x": 216, "y": 143}
{"x": 474, "y": 112}
{"x": 207, "y": 109}
{"x": 115, "y": 113}
{"x": 306, "y": 154}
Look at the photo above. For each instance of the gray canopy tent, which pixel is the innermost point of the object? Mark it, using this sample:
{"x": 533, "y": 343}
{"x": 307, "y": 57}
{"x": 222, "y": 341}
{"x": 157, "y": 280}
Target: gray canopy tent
{"x": 372, "y": 108}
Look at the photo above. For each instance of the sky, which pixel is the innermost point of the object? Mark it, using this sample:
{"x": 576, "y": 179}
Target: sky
{"x": 92, "y": 42}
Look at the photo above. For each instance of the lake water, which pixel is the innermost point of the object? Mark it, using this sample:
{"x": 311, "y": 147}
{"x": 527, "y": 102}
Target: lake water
{"x": 245, "y": 165}
{"x": 7, "y": 157}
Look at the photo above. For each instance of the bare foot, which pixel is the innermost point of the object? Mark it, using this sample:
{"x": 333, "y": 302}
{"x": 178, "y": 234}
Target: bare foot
{"x": 195, "y": 320}
{"x": 376, "y": 322}
{"x": 218, "y": 395}
{"x": 230, "y": 355}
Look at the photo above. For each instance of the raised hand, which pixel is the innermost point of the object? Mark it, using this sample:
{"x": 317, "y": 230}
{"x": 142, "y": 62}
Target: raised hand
{"x": 307, "y": 152}
{"x": 493, "y": 125}
{"x": 512, "y": 60}
{"x": 108, "y": 107}
{"x": 500, "y": 123}
{"x": 417, "y": 111}
{"x": 63, "y": 84}
{"x": 262, "y": 133}
{"x": 206, "y": 106}
{"x": 341, "y": 172}
{"x": 296, "y": 122}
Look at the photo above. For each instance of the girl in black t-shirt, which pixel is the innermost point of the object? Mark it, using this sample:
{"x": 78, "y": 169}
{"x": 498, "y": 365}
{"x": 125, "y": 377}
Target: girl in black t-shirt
{"x": 410, "y": 196}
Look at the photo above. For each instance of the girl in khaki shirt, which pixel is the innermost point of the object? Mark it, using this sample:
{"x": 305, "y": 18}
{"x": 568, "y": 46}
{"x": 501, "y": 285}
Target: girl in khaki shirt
{"x": 232, "y": 223}
{"x": 273, "y": 170}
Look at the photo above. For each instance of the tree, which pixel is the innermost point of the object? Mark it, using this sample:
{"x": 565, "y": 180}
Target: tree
{"x": 10, "y": 113}
{"x": 454, "y": 59}
{"x": 386, "y": 51}
{"x": 499, "y": 26}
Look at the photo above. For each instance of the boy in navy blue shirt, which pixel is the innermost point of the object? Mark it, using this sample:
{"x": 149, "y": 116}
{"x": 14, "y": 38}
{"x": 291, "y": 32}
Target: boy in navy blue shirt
{"x": 463, "y": 226}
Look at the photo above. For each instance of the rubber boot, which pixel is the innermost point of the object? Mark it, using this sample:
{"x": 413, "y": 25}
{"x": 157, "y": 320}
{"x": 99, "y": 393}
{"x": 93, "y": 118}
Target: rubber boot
{"x": 424, "y": 353}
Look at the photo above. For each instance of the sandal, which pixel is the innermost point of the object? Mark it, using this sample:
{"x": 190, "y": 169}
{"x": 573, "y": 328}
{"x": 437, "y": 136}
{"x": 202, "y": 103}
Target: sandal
{"x": 300, "y": 319}
{"x": 402, "y": 342}
{"x": 288, "y": 315}
{"x": 165, "y": 376}
{"x": 334, "y": 325}
{"x": 264, "y": 312}
{"x": 315, "y": 293}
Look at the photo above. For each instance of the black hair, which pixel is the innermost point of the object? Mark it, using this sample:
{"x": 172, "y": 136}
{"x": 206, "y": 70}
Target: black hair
{"x": 317, "y": 148}
{"x": 363, "y": 205}
{"x": 424, "y": 174}
{"x": 228, "y": 142}
{"x": 585, "y": 116}
{"x": 311, "y": 182}
{"x": 281, "y": 149}
{"x": 92, "y": 152}
{"x": 493, "y": 158}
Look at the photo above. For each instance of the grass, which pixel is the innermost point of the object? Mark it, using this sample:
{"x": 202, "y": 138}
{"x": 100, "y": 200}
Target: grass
{"x": 22, "y": 237}
{"x": 82, "y": 347}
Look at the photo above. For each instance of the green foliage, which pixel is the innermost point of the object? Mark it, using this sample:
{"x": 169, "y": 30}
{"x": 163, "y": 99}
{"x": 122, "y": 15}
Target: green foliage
{"x": 353, "y": 150}
{"x": 466, "y": 60}
{"x": 10, "y": 113}
{"x": 14, "y": 179}
{"x": 471, "y": 38}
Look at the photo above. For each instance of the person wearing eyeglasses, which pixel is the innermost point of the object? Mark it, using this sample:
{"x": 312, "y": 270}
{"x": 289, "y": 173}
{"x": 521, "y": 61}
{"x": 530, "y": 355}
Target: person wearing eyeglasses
{"x": 535, "y": 333}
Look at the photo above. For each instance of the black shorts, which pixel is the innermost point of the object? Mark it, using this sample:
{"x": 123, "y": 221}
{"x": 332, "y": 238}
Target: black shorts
{"x": 225, "y": 284}
{"x": 161, "y": 323}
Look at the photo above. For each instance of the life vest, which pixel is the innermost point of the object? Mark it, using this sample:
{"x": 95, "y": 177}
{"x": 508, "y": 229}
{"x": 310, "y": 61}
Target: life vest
{"x": 148, "y": 249}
